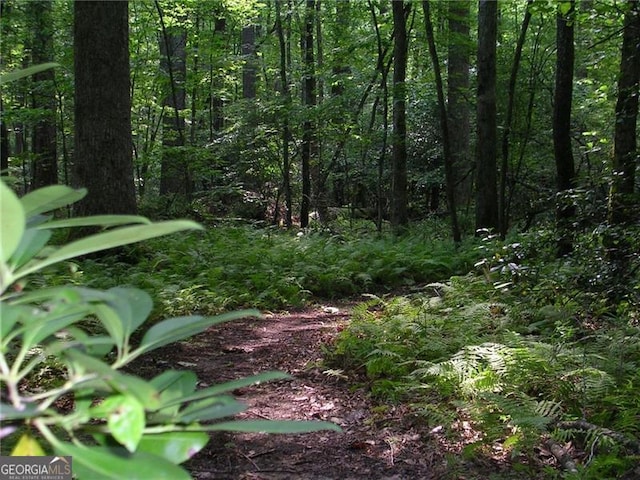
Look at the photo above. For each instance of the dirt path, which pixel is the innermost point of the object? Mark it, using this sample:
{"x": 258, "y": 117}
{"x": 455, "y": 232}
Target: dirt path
{"x": 376, "y": 443}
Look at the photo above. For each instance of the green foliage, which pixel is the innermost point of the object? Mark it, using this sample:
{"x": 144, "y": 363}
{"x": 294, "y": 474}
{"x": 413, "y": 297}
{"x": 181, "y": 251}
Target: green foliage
{"x": 240, "y": 266}
{"x": 121, "y": 426}
{"x": 491, "y": 348}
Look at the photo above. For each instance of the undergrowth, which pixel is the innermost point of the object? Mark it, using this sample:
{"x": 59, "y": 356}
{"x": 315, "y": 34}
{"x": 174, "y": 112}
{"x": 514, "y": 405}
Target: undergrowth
{"x": 526, "y": 348}
{"x": 235, "y": 266}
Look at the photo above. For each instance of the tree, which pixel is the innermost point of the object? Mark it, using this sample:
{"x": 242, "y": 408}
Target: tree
{"x": 45, "y": 161}
{"x": 562, "y": 100}
{"x": 286, "y": 133}
{"x": 625, "y": 152}
{"x": 249, "y": 67}
{"x": 309, "y": 145}
{"x": 174, "y": 172}
{"x": 399, "y": 217}
{"x": 444, "y": 124}
{"x": 486, "y": 150}
{"x": 457, "y": 101}
{"x": 103, "y": 148}
{"x": 511, "y": 94}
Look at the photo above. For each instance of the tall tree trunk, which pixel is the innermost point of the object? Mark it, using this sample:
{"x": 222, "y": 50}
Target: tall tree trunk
{"x": 249, "y": 66}
{"x": 103, "y": 146}
{"x": 622, "y": 204}
{"x": 309, "y": 148}
{"x": 458, "y": 104}
{"x": 506, "y": 133}
{"x": 623, "y": 199}
{"x": 286, "y": 133}
{"x": 562, "y": 100}
{"x": 399, "y": 217}
{"x": 45, "y": 162}
{"x": 444, "y": 125}
{"x": 216, "y": 104}
{"x": 486, "y": 175}
{"x": 4, "y": 144}
{"x": 174, "y": 172}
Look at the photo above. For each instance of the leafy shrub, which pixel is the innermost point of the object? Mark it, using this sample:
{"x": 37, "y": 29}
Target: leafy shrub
{"x": 121, "y": 426}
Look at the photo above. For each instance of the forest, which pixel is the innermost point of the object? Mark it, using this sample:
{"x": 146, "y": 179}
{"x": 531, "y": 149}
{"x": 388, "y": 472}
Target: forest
{"x": 279, "y": 239}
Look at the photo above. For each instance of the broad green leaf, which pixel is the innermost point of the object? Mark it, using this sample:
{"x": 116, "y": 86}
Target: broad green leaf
{"x": 47, "y": 199}
{"x": 173, "y": 386}
{"x": 12, "y": 225}
{"x": 107, "y": 463}
{"x": 177, "y": 447}
{"x": 9, "y": 412}
{"x": 106, "y": 240}
{"x": 182, "y": 381}
{"x": 112, "y": 323}
{"x": 9, "y": 316}
{"x": 229, "y": 386}
{"x": 175, "y": 329}
{"x": 47, "y": 324}
{"x": 27, "y": 446}
{"x": 123, "y": 383}
{"x": 211, "y": 409}
{"x": 133, "y": 306}
{"x": 125, "y": 418}
{"x": 33, "y": 241}
{"x": 25, "y": 72}
{"x": 97, "y": 220}
{"x": 272, "y": 426}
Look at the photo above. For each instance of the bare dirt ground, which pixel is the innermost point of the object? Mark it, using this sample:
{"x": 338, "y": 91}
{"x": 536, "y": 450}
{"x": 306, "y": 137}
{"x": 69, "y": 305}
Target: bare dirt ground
{"x": 380, "y": 442}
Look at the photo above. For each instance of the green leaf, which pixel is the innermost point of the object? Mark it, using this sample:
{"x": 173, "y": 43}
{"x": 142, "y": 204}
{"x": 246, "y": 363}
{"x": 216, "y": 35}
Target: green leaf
{"x": 33, "y": 241}
{"x": 123, "y": 383}
{"x": 106, "y": 240}
{"x": 107, "y": 463}
{"x": 272, "y": 426}
{"x": 9, "y": 316}
{"x": 125, "y": 418}
{"x": 12, "y": 76}
{"x": 175, "y": 329}
{"x": 133, "y": 306}
{"x": 173, "y": 386}
{"x": 47, "y": 199}
{"x": 98, "y": 220}
{"x": 176, "y": 447}
{"x": 12, "y": 225}
{"x": 27, "y": 446}
{"x": 8, "y": 412}
{"x": 230, "y": 386}
{"x": 211, "y": 409}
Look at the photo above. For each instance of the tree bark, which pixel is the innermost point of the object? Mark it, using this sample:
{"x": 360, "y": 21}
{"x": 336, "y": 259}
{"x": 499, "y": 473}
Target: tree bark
{"x": 486, "y": 187}
{"x": 309, "y": 146}
{"x": 506, "y": 133}
{"x": 399, "y": 216}
{"x": 249, "y": 67}
{"x": 444, "y": 125}
{"x": 562, "y": 100}
{"x": 45, "y": 163}
{"x": 286, "y": 93}
{"x": 103, "y": 147}
{"x": 458, "y": 104}
{"x": 622, "y": 204}
{"x": 174, "y": 172}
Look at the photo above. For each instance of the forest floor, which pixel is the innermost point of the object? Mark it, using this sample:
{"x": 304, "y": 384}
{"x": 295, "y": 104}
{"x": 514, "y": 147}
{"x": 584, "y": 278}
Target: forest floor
{"x": 379, "y": 442}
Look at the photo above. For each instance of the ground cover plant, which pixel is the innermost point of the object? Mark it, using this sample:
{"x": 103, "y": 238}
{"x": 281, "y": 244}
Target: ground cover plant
{"x": 522, "y": 349}
{"x": 237, "y": 266}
